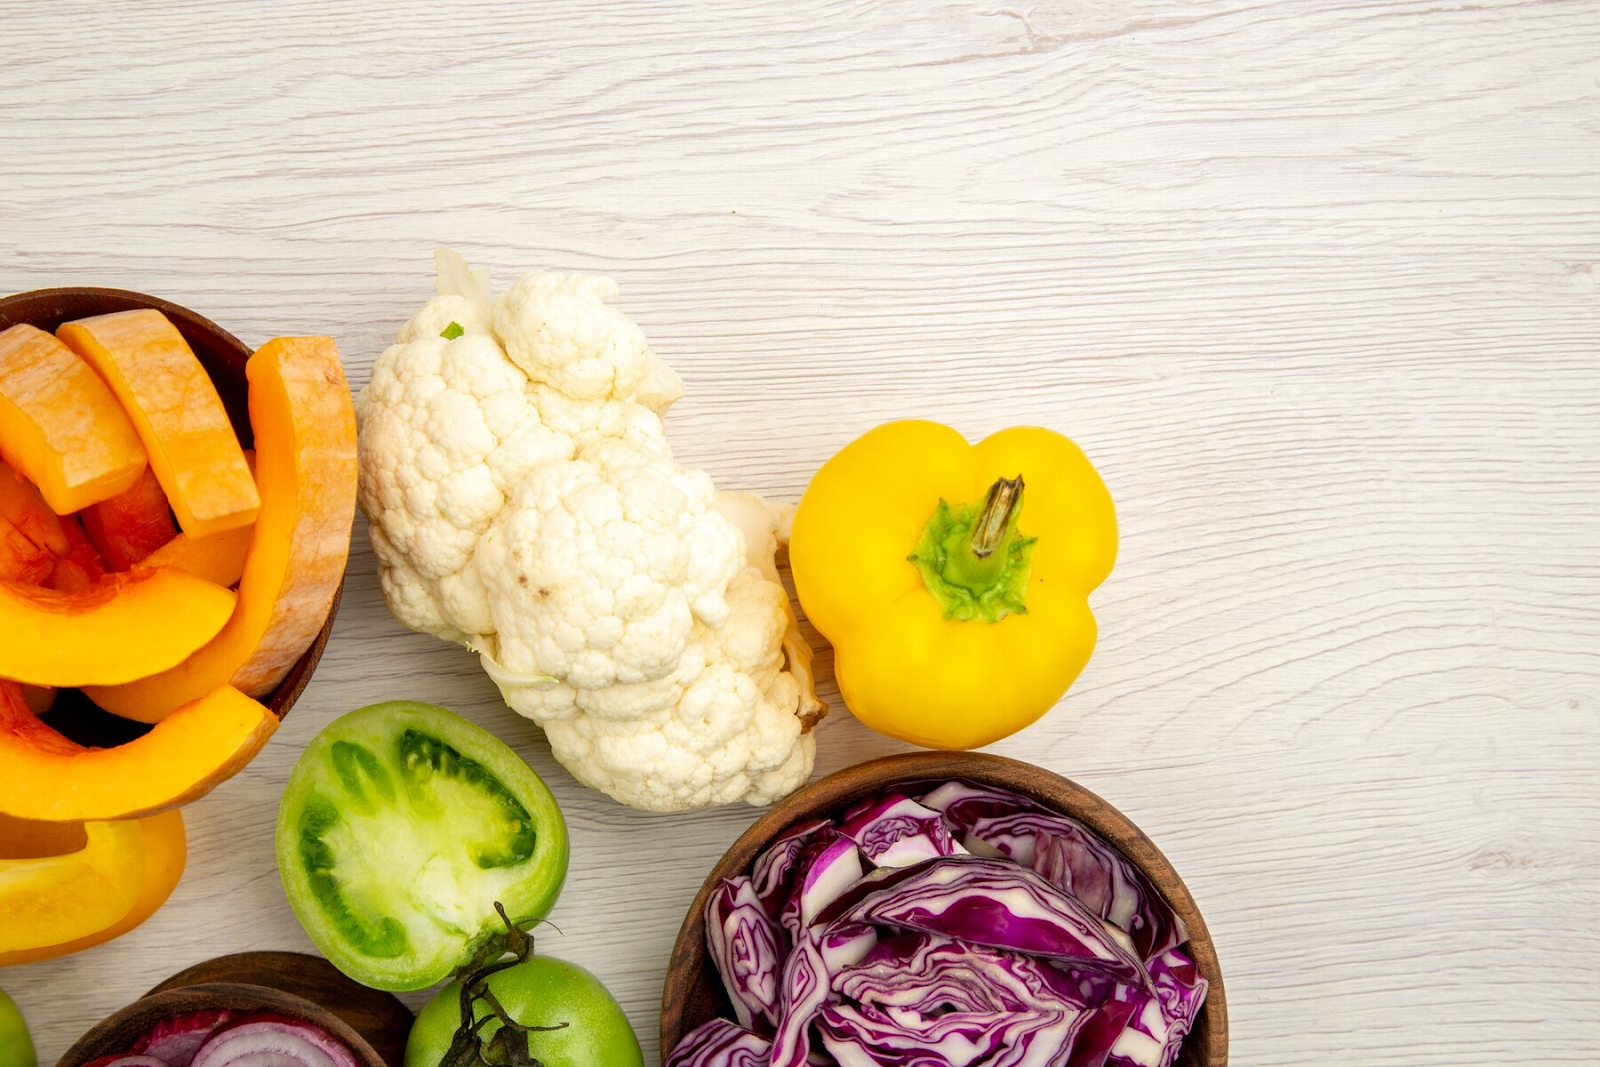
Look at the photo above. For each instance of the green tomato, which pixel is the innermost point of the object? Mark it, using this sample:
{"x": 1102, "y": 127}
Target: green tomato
{"x": 540, "y": 991}
{"x": 402, "y": 826}
{"x": 16, "y": 1047}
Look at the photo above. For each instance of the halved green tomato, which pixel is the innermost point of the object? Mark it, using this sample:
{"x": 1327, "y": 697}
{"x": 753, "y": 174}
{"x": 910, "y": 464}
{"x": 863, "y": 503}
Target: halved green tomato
{"x": 402, "y": 826}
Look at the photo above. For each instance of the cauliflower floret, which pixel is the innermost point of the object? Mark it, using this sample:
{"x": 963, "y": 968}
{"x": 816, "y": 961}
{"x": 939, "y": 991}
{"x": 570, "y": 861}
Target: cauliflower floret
{"x": 737, "y": 726}
{"x": 599, "y": 567}
{"x": 438, "y": 314}
{"x": 586, "y": 421}
{"x": 447, "y": 431}
{"x": 559, "y": 328}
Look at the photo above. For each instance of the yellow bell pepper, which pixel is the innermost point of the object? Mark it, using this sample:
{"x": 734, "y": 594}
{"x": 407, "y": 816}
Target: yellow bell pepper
{"x": 953, "y": 579}
{"x": 68, "y": 886}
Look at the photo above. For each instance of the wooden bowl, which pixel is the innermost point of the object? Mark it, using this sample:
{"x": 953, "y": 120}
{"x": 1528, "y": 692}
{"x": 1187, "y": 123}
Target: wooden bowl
{"x": 116, "y": 1032}
{"x": 223, "y": 356}
{"x": 693, "y": 993}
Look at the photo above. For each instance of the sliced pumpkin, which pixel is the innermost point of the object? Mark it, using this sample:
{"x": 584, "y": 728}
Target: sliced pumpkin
{"x": 165, "y": 854}
{"x": 305, "y": 437}
{"x": 218, "y": 558}
{"x": 20, "y": 559}
{"x": 125, "y": 626}
{"x": 51, "y": 891}
{"x": 23, "y": 507}
{"x": 60, "y": 426}
{"x": 82, "y": 566}
{"x": 202, "y": 744}
{"x": 177, "y": 413}
{"x": 132, "y": 524}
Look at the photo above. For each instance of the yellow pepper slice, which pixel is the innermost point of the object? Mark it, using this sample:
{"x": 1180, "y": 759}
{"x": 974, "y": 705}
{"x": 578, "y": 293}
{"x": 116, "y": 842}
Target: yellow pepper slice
{"x": 74, "y": 885}
{"x": 953, "y": 579}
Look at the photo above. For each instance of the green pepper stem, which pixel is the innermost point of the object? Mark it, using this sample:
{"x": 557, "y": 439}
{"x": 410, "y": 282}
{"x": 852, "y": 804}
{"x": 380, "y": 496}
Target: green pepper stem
{"x": 974, "y": 561}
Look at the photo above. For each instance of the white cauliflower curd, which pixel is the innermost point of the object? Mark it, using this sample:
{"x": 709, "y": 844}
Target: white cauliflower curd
{"x": 522, "y": 500}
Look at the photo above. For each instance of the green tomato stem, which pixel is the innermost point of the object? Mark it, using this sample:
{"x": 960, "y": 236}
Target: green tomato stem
{"x": 973, "y": 559}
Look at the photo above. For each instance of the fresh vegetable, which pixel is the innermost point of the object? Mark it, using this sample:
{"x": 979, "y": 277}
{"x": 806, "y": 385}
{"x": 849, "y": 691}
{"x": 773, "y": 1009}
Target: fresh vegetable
{"x": 402, "y": 826}
{"x": 175, "y": 1040}
{"x": 122, "y": 627}
{"x": 918, "y": 931}
{"x": 60, "y": 885}
{"x": 45, "y": 776}
{"x": 719, "y": 1043}
{"x": 131, "y": 525}
{"x": 231, "y": 1039}
{"x": 218, "y": 558}
{"x": 82, "y": 566}
{"x": 60, "y": 426}
{"x": 23, "y": 507}
{"x": 176, "y": 412}
{"x": 531, "y": 1010}
{"x": 164, "y": 854}
{"x": 522, "y": 499}
{"x": 1067, "y": 854}
{"x": 20, "y": 559}
{"x": 953, "y": 579}
{"x": 305, "y": 466}
{"x": 264, "y": 1039}
{"x": 16, "y": 1047}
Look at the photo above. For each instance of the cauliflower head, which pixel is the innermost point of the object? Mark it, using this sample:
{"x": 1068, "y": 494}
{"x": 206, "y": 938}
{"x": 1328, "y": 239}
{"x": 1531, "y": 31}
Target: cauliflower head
{"x": 522, "y": 499}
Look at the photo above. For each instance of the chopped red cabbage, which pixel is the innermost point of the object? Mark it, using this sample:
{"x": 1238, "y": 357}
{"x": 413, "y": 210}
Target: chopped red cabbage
{"x": 1068, "y": 854}
{"x": 748, "y": 951}
{"x": 720, "y": 1043}
{"x": 896, "y": 831}
{"x": 992, "y": 902}
{"x": 970, "y": 928}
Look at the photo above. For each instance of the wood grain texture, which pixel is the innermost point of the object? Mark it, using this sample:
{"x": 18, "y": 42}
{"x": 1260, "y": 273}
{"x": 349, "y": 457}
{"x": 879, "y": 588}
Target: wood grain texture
{"x": 1316, "y": 285}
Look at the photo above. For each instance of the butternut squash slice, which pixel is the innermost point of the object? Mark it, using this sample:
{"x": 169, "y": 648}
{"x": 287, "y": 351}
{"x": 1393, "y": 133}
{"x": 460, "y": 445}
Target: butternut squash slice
{"x": 130, "y": 525}
{"x": 218, "y": 558}
{"x": 20, "y": 559}
{"x": 123, "y": 627}
{"x": 305, "y": 431}
{"x": 23, "y": 507}
{"x": 196, "y": 748}
{"x": 177, "y": 412}
{"x": 60, "y": 426}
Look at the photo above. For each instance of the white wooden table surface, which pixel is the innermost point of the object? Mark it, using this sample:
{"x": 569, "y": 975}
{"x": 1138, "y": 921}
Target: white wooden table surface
{"x": 1317, "y": 285}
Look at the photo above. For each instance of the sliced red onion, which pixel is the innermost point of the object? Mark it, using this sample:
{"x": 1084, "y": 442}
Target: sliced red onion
{"x": 176, "y": 1039}
{"x": 271, "y": 1040}
{"x": 129, "y": 1060}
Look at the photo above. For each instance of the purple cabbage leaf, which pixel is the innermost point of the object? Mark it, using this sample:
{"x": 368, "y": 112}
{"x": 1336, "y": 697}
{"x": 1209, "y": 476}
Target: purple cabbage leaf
{"x": 989, "y": 902}
{"x": 720, "y": 1043}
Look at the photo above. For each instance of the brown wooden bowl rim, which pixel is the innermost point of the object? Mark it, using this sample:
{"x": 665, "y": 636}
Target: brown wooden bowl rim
{"x": 283, "y": 697}
{"x": 113, "y": 1034}
{"x": 829, "y": 795}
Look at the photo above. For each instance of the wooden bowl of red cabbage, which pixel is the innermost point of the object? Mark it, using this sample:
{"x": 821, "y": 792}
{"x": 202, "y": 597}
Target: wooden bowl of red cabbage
{"x": 944, "y": 909}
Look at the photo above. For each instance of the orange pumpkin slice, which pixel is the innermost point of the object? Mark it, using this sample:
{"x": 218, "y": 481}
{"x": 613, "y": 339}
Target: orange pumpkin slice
{"x": 177, "y": 413}
{"x": 218, "y": 558}
{"x": 60, "y": 426}
{"x": 124, "y": 627}
{"x": 20, "y": 559}
{"x": 202, "y": 744}
{"x": 305, "y": 431}
{"x": 23, "y": 507}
